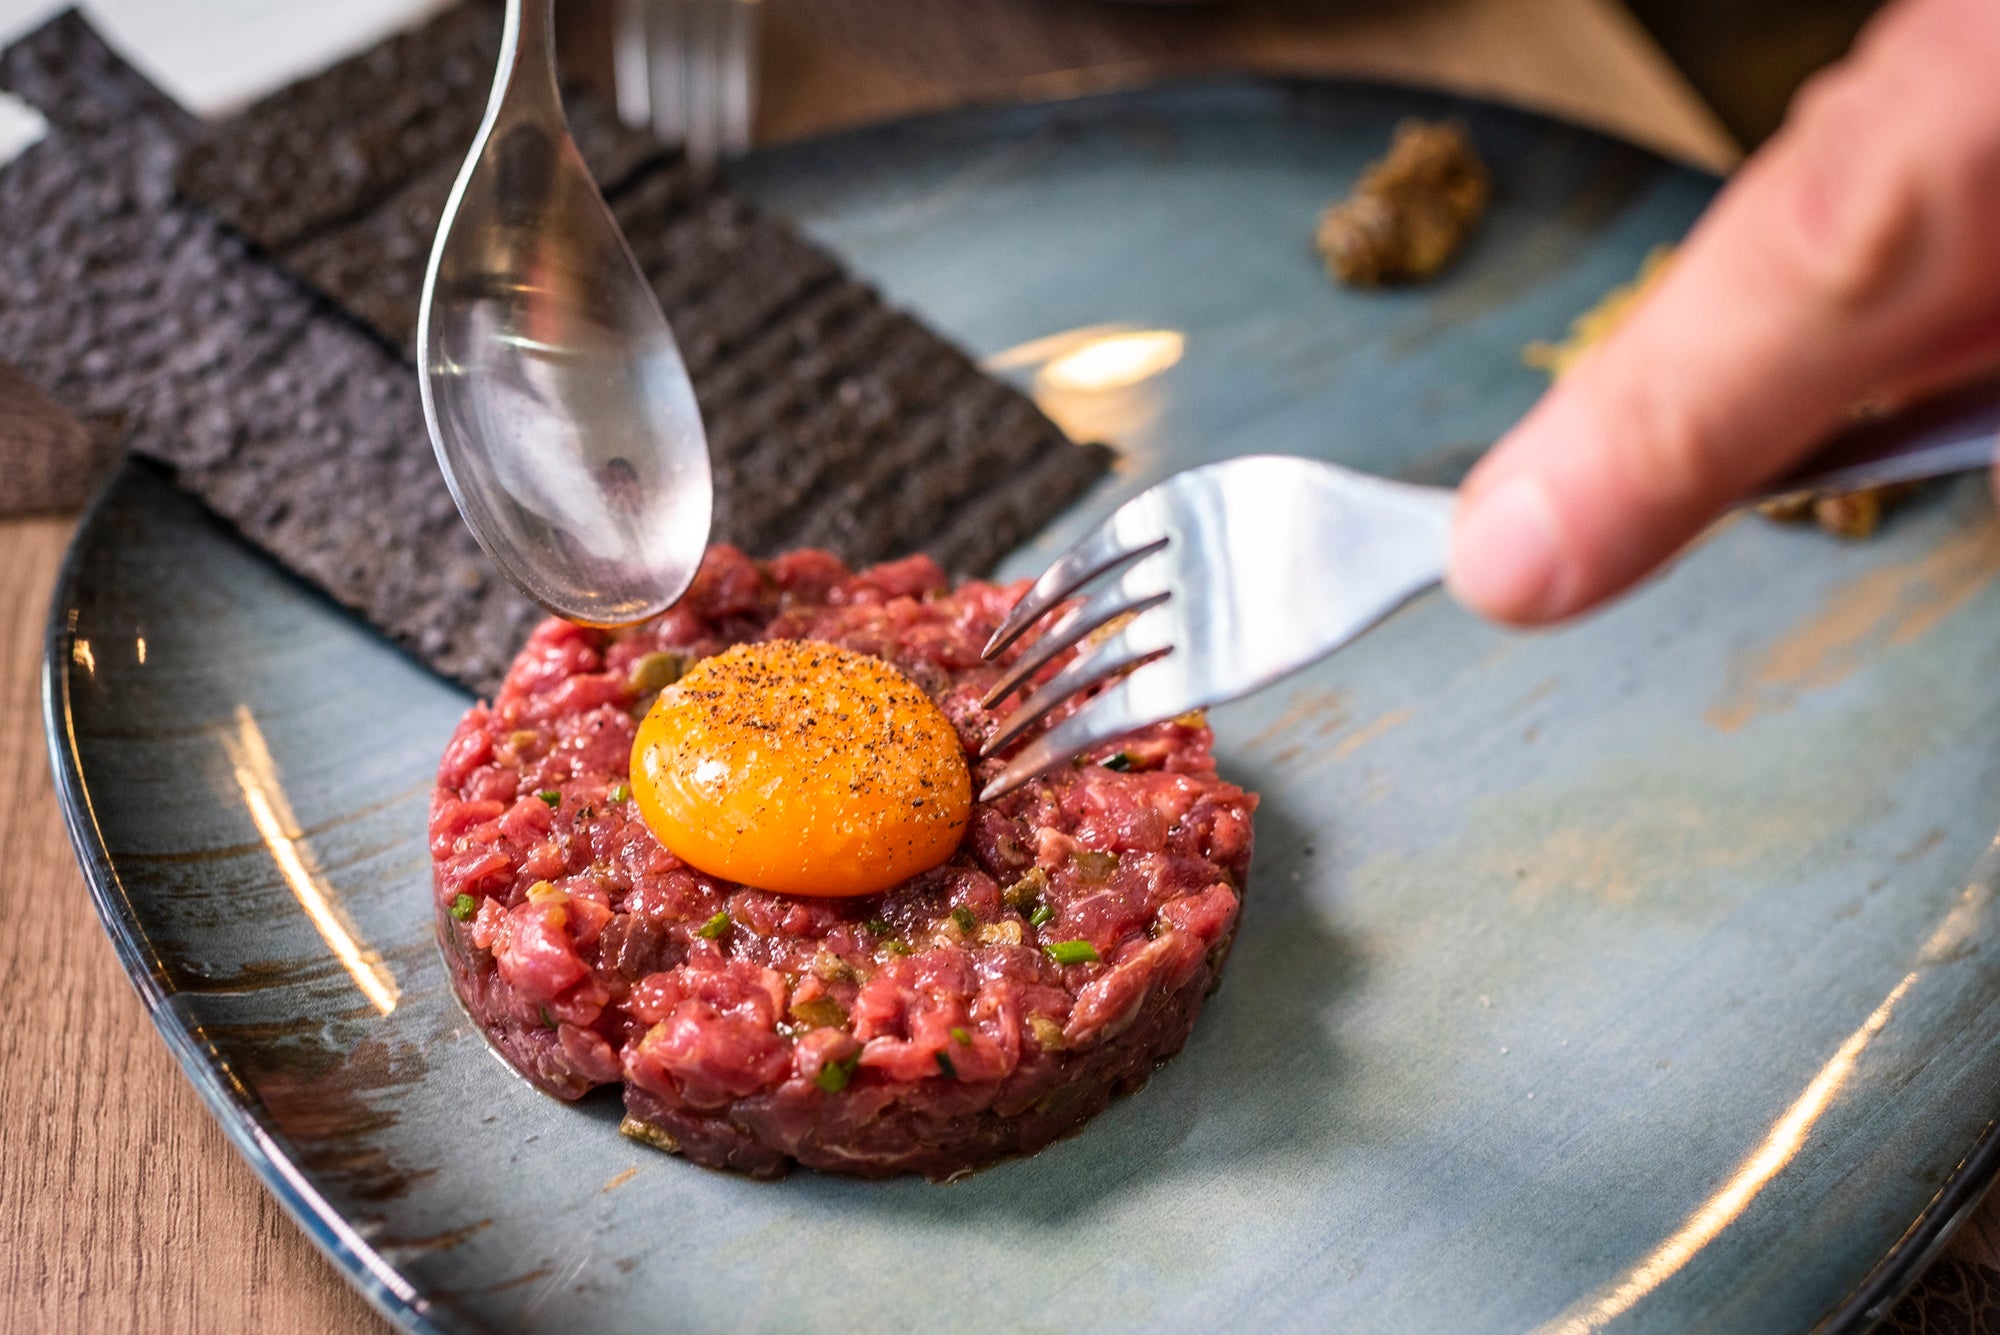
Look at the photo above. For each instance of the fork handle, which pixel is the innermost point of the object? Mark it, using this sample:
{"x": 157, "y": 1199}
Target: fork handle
{"x": 1952, "y": 433}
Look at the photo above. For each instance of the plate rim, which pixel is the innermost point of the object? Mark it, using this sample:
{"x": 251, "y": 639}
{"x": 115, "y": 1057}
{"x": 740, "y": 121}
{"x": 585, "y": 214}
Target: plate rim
{"x": 241, "y": 1114}
{"x": 239, "y": 1111}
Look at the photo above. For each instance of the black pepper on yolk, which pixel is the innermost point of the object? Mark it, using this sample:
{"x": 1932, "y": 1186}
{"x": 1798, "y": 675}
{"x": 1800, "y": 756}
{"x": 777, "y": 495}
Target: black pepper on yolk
{"x": 803, "y": 768}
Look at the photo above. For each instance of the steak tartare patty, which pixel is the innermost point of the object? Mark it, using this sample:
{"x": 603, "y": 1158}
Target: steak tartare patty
{"x": 978, "y": 1010}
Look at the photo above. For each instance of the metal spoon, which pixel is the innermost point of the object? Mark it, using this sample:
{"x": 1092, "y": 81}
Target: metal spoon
{"x": 556, "y": 397}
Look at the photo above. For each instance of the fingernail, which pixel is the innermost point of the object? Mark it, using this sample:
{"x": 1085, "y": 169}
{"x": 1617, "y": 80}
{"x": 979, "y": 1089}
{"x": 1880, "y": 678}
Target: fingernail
{"x": 1504, "y": 553}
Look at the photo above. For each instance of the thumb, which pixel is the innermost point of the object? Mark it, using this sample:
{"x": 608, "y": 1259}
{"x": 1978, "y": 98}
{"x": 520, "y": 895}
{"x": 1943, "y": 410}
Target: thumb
{"x": 1850, "y": 260}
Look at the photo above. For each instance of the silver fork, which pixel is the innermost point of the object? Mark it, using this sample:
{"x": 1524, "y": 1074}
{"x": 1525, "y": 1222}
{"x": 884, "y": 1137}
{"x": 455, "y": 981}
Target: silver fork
{"x": 1224, "y": 578}
{"x": 688, "y": 68}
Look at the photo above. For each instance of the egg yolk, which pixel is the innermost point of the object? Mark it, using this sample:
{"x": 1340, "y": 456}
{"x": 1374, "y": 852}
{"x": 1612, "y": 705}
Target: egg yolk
{"x": 803, "y": 768}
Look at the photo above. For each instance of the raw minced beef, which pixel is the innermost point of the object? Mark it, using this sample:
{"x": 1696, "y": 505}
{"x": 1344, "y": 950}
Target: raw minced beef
{"x": 932, "y": 1028}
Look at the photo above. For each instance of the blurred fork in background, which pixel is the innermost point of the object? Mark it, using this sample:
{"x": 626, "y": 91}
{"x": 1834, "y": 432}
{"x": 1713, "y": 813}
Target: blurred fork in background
{"x": 688, "y": 68}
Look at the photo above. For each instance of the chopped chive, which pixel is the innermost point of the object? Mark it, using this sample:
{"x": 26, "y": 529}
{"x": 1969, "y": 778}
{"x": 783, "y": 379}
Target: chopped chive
{"x": 716, "y": 926}
{"x": 621, "y": 792}
{"x": 464, "y": 907}
{"x": 1041, "y": 915}
{"x": 1071, "y": 952}
{"x": 944, "y": 1065}
{"x": 833, "y": 1076}
{"x": 548, "y": 1020}
{"x": 963, "y": 917}
{"x": 1118, "y": 763}
{"x": 550, "y": 796}
{"x": 961, "y": 1037}
{"x": 878, "y": 927}
{"x": 898, "y": 947}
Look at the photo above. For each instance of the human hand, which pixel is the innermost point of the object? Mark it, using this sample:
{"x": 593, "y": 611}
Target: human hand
{"x": 1855, "y": 259}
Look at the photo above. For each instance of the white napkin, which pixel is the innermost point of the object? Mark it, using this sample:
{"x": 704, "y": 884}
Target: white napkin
{"x": 20, "y": 125}
{"x": 213, "y": 56}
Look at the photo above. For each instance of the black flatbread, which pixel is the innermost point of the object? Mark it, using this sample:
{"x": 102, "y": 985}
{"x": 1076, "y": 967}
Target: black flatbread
{"x": 156, "y": 328}
{"x": 834, "y": 420}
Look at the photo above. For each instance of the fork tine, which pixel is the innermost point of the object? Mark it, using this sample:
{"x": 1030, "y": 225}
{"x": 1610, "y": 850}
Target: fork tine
{"x": 739, "y": 76}
{"x": 631, "y": 63}
{"x": 1085, "y": 672}
{"x": 1112, "y": 714}
{"x": 667, "y": 51}
{"x": 1097, "y": 553}
{"x": 1073, "y": 627}
{"x": 708, "y": 20}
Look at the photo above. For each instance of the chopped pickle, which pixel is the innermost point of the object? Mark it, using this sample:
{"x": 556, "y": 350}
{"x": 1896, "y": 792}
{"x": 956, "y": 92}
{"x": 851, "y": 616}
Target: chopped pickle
{"x": 1048, "y": 1034}
{"x": 1023, "y": 893}
{"x": 1094, "y": 866}
{"x": 621, "y": 792}
{"x": 653, "y": 673}
{"x": 832, "y": 968}
{"x": 963, "y": 917}
{"x": 463, "y": 907}
{"x": 1117, "y": 763}
{"x": 819, "y": 1013}
{"x": 961, "y": 1036}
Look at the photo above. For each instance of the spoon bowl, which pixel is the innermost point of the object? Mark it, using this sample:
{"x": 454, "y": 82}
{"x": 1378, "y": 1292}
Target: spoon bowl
{"x": 556, "y": 397}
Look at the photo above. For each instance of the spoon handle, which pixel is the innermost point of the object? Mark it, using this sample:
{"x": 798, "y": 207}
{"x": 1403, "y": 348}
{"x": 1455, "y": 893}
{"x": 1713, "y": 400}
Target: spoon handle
{"x": 526, "y": 70}
{"x": 1952, "y": 433}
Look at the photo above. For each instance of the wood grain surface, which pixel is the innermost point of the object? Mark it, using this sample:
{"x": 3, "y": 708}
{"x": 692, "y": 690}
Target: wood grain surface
{"x": 122, "y": 1206}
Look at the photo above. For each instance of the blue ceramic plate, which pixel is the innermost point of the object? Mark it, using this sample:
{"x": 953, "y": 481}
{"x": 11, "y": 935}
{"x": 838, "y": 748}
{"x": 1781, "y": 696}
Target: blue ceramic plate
{"x": 1643, "y": 975}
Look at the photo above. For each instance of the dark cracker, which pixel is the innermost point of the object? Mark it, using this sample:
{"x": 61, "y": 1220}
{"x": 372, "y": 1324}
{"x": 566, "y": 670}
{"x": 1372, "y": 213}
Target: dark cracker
{"x": 328, "y": 150}
{"x": 373, "y": 262}
{"x": 832, "y": 418}
{"x": 156, "y": 328}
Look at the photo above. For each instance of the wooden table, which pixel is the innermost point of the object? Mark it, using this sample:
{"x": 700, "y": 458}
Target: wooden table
{"x": 121, "y": 1205}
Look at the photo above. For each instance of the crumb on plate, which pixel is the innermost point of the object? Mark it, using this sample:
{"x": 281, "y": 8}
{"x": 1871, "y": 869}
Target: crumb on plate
{"x": 1411, "y": 211}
